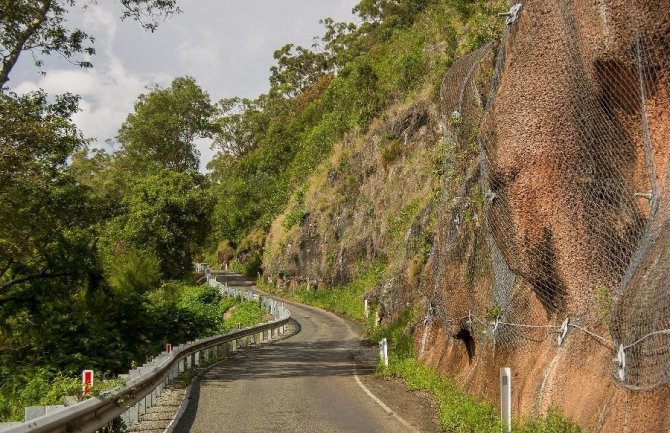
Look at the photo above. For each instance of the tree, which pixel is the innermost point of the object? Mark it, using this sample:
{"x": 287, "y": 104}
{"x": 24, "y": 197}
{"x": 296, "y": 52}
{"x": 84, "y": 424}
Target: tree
{"x": 163, "y": 129}
{"x": 40, "y": 27}
{"x": 44, "y": 213}
{"x": 297, "y": 68}
{"x": 241, "y": 125}
{"x": 166, "y": 214}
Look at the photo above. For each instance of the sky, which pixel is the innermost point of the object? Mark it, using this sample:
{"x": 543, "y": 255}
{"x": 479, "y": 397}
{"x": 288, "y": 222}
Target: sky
{"x": 226, "y": 45}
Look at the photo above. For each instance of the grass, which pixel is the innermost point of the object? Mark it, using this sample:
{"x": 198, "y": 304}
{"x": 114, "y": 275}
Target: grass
{"x": 246, "y": 313}
{"x": 346, "y": 300}
{"x": 459, "y": 411}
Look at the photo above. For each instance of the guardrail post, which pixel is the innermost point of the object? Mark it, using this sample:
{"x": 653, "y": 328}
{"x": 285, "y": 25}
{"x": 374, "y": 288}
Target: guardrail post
{"x": 260, "y": 337}
{"x": 234, "y": 343}
{"x": 506, "y": 398}
{"x": 142, "y": 408}
{"x": 132, "y": 413}
{"x": 196, "y": 358}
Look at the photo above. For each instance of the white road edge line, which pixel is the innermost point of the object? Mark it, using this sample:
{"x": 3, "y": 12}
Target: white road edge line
{"x": 387, "y": 409}
{"x": 374, "y": 398}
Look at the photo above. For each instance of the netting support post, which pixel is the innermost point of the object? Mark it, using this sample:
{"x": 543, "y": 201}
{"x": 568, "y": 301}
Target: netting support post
{"x": 563, "y": 332}
{"x": 621, "y": 363}
{"x": 506, "y": 398}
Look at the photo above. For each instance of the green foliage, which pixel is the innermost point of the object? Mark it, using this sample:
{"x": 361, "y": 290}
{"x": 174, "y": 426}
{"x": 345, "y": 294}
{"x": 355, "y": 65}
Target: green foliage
{"x": 139, "y": 326}
{"x": 245, "y": 314}
{"x": 162, "y": 131}
{"x": 391, "y": 149}
{"x": 346, "y": 300}
{"x": 134, "y": 271}
{"x": 45, "y": 389}
{"x": 399, "y": 223}
{"x": 294, "y": 217}
{"x": 270, "y": 145}
{"x": 553, "y": 422}
{"x": 44, "y": 213}
{"x": 186, "y": 312}
{"x": 166, "y": 214}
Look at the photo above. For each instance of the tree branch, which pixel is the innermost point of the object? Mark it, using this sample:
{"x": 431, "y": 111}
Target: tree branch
{"x": 10, "y": 60}
{"x": 31, "y": 277}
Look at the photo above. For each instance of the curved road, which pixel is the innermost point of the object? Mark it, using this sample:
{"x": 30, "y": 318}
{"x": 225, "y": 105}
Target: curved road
{"x": 304, "y": 383}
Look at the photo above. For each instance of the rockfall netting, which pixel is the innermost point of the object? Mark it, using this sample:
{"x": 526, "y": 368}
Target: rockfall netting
{"x": 561, "y": 225}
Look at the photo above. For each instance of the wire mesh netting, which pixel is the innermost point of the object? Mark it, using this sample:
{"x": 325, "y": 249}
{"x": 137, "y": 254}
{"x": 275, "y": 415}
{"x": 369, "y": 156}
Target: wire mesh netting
{"x": 564, "y": 214}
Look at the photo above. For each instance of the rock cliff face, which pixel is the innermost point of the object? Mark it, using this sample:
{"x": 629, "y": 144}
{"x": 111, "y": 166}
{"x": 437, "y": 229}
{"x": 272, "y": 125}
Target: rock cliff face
{"x": 535, "y": 191}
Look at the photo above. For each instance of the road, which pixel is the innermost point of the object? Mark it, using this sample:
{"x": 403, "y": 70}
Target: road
{"x": 304, "y": 383}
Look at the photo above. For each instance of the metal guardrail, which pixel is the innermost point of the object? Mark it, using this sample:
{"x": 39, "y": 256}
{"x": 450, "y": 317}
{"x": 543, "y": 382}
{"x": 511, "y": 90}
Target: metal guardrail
{"x": 145, "y": 387}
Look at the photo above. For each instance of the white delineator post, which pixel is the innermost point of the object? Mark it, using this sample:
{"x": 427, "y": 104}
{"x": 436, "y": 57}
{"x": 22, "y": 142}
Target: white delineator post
{"x": 366, "y": 307}
{"x": 506, "y": 398}
{"x": 383, "y": 352}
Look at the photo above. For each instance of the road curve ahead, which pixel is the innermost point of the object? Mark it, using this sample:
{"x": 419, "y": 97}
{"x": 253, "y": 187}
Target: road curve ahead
{"x": 304, "y": 383}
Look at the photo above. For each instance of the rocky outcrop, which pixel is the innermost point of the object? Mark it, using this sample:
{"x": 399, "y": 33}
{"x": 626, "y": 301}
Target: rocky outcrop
{"x": 534, "y": 192}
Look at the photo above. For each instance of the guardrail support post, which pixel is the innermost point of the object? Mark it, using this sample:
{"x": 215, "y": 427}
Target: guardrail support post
{"x": 132, "y": 412}
{"x": 196, "y": 359}
{"x": 142, "y": 409}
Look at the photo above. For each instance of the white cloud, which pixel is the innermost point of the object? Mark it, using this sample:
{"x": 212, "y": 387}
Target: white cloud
{"x": 227, "y": 46}
{"x": 107, "y": 94}
{"x": 103, "y": 21}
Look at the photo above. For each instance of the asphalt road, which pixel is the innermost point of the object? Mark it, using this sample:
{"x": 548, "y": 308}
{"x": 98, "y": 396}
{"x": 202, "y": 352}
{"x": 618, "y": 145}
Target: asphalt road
{"x": 304, "y": 383}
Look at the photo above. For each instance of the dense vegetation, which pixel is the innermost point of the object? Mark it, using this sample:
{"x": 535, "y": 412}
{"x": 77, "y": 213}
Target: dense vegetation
{"x": 92, "y": 244}
{"x": 86, "y": 241}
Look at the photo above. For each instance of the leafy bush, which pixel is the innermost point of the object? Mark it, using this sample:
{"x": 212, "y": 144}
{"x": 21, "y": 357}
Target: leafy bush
{"x": 41, "y": 388}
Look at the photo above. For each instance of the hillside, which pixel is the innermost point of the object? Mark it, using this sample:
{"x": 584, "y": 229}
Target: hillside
{"x": 521, "y": 187}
